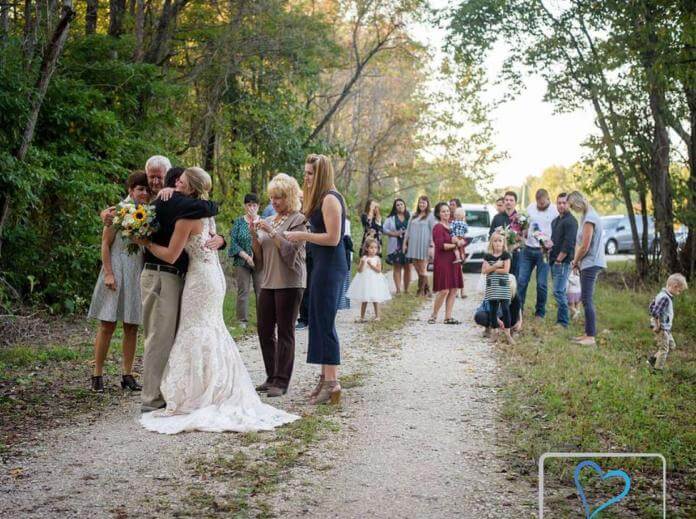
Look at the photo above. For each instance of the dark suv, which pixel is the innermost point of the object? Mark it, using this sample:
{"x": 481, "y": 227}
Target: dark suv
{"x": 617, "y": 233}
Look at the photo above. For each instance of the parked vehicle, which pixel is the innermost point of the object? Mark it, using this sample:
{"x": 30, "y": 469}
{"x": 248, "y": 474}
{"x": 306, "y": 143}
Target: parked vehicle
{"x": 617, "y": 233}
{"x": 478, "y": 217}
{"x": 681, "y": 233}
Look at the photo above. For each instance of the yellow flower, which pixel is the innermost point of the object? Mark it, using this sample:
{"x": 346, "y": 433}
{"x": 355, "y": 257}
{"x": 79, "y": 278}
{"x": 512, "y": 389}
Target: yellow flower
{"x": 140, "y": 214}
{"x": 123, "y": 211}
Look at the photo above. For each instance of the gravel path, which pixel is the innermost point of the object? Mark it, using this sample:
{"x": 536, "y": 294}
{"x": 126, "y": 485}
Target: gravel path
{"x": 423, "y": 444}
{"x": 417, "y": 439}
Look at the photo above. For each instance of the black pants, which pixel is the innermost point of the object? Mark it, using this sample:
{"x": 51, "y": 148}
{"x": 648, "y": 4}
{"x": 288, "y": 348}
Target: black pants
{"x": 276, "y": 310}
{"x": 504, "y": 305}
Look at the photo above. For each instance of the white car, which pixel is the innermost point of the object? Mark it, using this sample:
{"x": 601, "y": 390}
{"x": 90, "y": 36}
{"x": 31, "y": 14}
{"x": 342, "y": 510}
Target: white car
{"x": 478, "y": 218}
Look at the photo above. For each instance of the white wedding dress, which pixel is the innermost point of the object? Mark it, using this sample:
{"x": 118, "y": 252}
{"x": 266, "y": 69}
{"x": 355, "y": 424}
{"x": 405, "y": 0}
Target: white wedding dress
{"x": 205, "y": 384}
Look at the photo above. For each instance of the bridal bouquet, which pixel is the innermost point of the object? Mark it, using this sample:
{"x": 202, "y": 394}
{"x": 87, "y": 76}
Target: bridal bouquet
{"x": 134, "y": 221}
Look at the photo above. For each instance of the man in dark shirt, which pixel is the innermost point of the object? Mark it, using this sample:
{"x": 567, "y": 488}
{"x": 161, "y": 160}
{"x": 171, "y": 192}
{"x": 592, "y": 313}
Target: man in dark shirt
{"x": 564, "y": 229}
{"x": 504, "y": 219}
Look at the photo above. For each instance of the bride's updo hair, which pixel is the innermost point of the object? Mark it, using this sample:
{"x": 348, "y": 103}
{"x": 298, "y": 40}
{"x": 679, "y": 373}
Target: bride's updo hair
{"x": 199, "y": 181}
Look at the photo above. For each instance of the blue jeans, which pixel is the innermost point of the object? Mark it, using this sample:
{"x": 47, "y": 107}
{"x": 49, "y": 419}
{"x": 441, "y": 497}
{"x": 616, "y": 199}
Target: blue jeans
{"x": 529, "y": 259}
{"x": 559, "y": 275}
{"x": 588, "y": 278}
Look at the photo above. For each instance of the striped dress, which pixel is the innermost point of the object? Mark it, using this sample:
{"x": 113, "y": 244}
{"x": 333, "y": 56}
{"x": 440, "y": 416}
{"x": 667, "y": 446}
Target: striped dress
{"x": 497, "y": 284}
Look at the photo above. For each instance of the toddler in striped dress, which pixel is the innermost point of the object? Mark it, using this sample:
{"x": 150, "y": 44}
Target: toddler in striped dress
{"x": 496, "y": 267}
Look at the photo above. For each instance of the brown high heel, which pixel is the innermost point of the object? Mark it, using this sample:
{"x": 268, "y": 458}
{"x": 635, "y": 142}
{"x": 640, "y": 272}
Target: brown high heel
{"x": 330, "y": 392}
{"x": 316, "y": 390}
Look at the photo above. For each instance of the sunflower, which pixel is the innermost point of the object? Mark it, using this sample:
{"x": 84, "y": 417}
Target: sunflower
{"x": 139, "y": 214}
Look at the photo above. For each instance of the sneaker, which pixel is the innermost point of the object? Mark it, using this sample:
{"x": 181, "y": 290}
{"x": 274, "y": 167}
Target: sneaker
{"x": 588, "y": 341}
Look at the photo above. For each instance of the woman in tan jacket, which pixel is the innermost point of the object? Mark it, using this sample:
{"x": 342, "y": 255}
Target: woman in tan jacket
{"x": 283, "y": 280}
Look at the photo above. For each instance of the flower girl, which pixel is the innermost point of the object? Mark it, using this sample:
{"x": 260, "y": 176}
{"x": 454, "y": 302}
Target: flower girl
{"x": 369, "y": 285}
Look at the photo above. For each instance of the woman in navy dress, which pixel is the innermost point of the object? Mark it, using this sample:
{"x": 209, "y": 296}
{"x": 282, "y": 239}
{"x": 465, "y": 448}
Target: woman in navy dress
{"x": 326, "y": 213}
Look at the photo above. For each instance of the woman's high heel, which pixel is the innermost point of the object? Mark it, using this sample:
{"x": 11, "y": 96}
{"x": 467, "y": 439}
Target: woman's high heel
{"x": 127, "y": 381}
{"x": 316, "y": 390}
{"x": 330, "y": 392}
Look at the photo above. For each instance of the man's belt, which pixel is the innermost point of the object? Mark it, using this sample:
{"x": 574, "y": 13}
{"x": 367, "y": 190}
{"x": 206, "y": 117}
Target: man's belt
{"x": 164, "y": 268}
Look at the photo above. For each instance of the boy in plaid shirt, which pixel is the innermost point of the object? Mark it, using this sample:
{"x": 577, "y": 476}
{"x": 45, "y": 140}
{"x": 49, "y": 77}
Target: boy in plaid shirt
{"x": 661, "y": 317}
{"x": 458, "y": 229}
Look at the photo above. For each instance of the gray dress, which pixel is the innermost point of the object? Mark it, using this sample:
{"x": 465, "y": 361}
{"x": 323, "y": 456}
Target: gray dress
{"x": 122, "y": 304}
{"x": 419, "y": 234}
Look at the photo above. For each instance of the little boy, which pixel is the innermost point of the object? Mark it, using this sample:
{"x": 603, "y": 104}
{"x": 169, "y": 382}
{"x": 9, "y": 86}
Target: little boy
{"x": 661, "y": 319}
{"x": 458, "y": 229}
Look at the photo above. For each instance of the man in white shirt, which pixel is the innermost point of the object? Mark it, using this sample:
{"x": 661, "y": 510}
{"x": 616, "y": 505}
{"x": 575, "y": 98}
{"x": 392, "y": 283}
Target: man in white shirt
{"x": 541, "y": 213}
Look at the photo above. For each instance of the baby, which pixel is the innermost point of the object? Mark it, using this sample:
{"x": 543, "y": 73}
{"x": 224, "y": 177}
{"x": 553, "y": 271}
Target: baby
{"x": 458, "y": 229}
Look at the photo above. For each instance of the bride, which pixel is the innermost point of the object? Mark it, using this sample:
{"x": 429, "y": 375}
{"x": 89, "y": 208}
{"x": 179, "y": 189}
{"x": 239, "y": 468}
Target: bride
{"x": 205, "y": 385}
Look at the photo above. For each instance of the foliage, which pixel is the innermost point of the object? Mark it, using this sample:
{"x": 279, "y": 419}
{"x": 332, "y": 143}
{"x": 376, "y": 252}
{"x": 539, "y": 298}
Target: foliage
{"x": 102, "y": 117}
{"x": 558, "y": 179}
{"x": 244, "y": 89}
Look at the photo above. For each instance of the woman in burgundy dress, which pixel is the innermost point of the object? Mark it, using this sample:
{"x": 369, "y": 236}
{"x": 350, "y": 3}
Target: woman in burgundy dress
{"x": 447, "y": 275}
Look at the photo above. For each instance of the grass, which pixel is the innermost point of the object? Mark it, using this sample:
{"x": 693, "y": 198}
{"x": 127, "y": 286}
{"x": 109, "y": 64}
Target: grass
{"x": 565, "y": 397}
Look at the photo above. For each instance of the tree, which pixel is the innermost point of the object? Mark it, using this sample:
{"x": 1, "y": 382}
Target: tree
{"x": 612, "y": 55}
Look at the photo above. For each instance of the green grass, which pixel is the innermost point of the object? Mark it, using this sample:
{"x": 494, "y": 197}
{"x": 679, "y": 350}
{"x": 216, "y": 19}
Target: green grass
{"x": 566, "y": 397}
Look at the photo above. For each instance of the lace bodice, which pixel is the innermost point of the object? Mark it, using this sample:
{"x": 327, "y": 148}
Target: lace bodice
{"x": 195, "y": 246}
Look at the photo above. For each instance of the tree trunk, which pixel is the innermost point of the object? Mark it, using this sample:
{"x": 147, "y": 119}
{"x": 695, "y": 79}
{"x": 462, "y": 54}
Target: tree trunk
{"x": 4, "y": 19}
{"x": 659, "y": 177}
{"x": 117, "y": 12}
{"x": 159, "y": 48}
{"x": 688, "y": 256}
{"x": 48, "y": 66}
{"x": 641, "y": 259}
{"x": 31, "y": 23}
{"x": 139, "y": 30}
{"x": 91, "y": 16}
{"x": 209, "y": 151}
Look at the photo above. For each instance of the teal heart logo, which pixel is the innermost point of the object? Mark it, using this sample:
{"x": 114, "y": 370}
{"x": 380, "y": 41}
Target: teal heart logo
{"x": 589, "y": 513}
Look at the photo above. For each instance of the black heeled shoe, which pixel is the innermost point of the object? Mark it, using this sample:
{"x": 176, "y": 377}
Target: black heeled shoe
{"x": 127, "y": 381}
{"x": 97, "y": 384}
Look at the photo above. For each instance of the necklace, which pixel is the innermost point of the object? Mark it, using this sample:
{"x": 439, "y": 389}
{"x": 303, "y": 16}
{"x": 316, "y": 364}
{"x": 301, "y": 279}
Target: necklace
{"x": 277, "y": 223}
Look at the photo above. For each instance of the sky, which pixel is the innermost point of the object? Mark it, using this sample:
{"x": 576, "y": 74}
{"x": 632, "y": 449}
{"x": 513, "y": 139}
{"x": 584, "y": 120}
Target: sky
{"x": 526, "y": 127}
